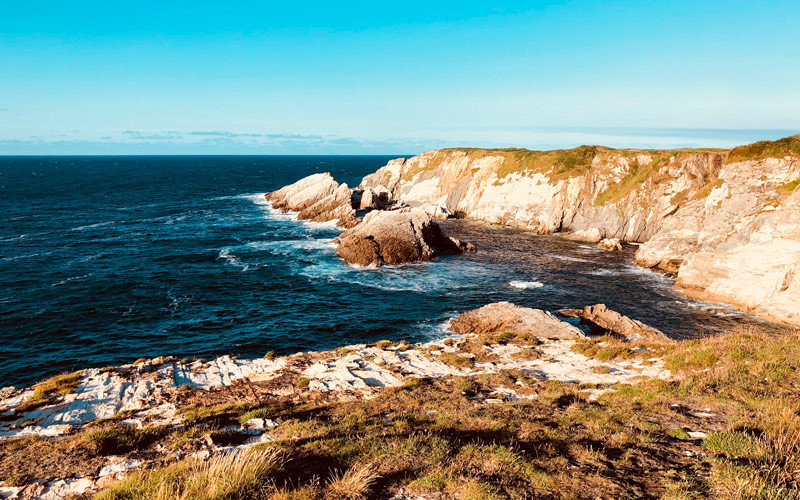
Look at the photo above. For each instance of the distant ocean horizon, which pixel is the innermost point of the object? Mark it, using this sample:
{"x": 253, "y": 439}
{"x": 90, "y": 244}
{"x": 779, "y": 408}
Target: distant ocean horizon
{"x": 107, "y": 259}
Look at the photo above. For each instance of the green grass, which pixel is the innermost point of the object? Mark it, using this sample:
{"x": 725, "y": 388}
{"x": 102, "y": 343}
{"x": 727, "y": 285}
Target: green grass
{"x": 706, "y": 190}
{"x": 435, "y": 437}
{"x": 788, "y": 146}
{"x": 789, "y": 187}
{"x": 227, "y": 411}
{"x": 120, "y": 439}
{"x": 636, "y": 176}
{"x": 60, "y": 385}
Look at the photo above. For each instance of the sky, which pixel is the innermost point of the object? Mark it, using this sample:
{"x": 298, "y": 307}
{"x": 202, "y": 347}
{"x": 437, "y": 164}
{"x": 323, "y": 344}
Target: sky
{"x": 268, "y": 77}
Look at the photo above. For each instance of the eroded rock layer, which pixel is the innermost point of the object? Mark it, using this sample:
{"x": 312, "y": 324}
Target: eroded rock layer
{"x": 726, "y": 221}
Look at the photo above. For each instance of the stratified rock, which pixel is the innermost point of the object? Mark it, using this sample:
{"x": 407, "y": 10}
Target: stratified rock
{"x": 610, "y": 244}
{"x": 318, "y": 198}
{"x": 740, "y": 243}
{"x": 395, "y": 238}
{"x": 502, "y": 317}
{"x": 727, "y": 222}
{"x": 602, "y": 320}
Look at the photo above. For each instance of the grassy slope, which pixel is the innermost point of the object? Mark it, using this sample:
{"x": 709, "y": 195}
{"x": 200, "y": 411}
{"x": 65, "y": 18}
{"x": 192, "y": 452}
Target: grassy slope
{"x": 437, "y": 437}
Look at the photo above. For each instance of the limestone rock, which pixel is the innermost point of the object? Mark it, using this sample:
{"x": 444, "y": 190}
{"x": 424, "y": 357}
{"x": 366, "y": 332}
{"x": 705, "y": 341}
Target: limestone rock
{"x": 740, "y": 244}
{"x": 592, "y": 235}
{"x": 726, "y": 222}
{"x": 501, "y": 317}
{"x": 395, "y": 238}
{"x": 318, "y": 198}
{"x": 610, "y": 244}
{"x": 602, "y": 320}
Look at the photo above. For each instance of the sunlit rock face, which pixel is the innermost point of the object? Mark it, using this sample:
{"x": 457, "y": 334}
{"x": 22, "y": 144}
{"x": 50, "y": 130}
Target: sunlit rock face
{"x": 726, "y": 223}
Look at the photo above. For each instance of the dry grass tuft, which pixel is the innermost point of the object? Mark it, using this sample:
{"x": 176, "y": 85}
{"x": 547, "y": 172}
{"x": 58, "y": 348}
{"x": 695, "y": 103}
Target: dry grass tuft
{"x": 242, "y": 476}
{"x": 353, "y": 484}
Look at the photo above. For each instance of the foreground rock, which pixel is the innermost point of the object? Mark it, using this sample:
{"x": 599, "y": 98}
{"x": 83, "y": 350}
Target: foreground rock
{"x": 603, "y": 321}
{"x": 317, "y": 198}
{"x": 396, "y": 238}
{"x": 504, "y": 317}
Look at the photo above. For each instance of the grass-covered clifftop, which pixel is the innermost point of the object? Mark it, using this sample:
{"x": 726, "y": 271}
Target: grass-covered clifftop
{"x": 788, "y": 146}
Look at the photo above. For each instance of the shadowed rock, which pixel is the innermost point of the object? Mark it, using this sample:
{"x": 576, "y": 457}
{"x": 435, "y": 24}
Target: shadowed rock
{"x": 602, "y": 320}
{"x": 395, "y": 238}
{"x": 502, "y": 317}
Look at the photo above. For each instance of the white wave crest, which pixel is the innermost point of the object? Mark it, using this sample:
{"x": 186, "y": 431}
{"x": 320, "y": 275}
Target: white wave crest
{"x": 524, "y": 285}
{"x": 231, "y": 259}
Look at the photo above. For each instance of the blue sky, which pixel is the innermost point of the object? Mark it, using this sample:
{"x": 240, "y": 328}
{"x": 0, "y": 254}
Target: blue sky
{"x": 265, "y": 77}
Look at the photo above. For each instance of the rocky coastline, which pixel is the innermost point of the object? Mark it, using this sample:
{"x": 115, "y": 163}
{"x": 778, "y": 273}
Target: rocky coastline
{"x": 725, "y": 222}
{"x": 166, "y": 393}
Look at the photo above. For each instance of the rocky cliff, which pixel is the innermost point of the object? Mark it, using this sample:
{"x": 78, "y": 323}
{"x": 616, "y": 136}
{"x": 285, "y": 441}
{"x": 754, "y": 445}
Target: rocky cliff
{"x": 726, "y": 221}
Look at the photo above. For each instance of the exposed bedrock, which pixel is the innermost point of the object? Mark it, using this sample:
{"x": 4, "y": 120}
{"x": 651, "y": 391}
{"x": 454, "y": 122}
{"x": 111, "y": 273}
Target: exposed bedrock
{"x": 317, "y": 198}
{"x": 396, "y": 237}
{"x": 603, "y": 321}
{"x": 727, "y": 222}
{"x": 505, "y": 317}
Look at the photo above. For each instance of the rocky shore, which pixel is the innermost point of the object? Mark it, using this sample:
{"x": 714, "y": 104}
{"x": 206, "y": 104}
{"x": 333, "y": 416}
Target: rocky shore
{"x": 167, "y": 394}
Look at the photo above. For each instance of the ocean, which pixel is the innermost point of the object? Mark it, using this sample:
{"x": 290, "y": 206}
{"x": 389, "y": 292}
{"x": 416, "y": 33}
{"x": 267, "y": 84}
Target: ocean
{"x": 104, "y": 260}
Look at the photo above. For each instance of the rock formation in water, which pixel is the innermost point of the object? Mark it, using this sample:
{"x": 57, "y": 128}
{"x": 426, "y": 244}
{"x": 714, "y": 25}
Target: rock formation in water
{"x": 602, "y": 321}
{"x": 318, "y": 198}
{"x": 726, "y": 221}
{"x": 504, "y": 317}
{"x": 395, "y": 237}
{"x": 610, "y": 244}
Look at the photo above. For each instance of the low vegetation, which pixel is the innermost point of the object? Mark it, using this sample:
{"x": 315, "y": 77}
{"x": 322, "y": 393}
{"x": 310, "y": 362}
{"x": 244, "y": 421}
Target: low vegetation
{"x": 789, "y": 187}
{"x": 43, "y": 392}
{"x": 727, "y": 426}
{"x": 788, "y": 146}
{"x": 636, "y": 176}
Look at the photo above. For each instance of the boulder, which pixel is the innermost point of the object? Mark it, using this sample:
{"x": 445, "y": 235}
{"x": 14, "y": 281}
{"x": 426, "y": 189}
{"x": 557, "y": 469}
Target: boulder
{"x": 395, "y": 238}
{"x": 318, "y": 198}
{"x": 501, "y": 317}
{"x": 610, "y": 244}
{"x": 603, "y": 321}
{"x": 375, "y": 198}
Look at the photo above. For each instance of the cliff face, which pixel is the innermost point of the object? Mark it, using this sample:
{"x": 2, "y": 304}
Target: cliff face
{"x": 727, "y": 222}
{"x": 593, "y": 192}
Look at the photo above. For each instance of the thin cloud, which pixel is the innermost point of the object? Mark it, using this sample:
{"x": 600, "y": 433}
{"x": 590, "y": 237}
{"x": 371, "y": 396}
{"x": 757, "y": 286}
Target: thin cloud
{"x": 148, "y": 136}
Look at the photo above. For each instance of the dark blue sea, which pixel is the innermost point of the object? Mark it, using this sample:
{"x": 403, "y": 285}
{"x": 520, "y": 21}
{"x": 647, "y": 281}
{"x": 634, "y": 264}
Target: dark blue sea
{"x": 104, "y": 260}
